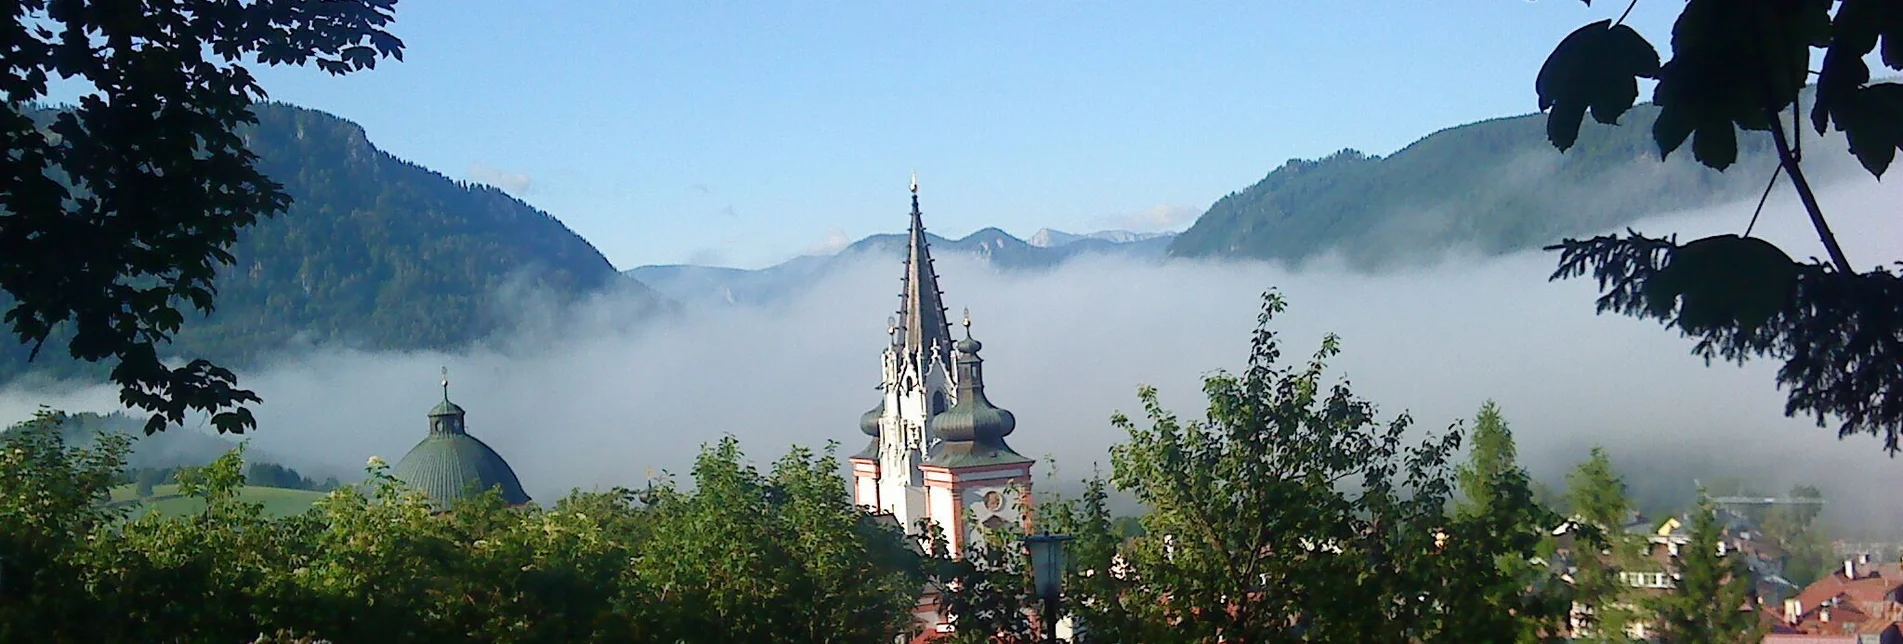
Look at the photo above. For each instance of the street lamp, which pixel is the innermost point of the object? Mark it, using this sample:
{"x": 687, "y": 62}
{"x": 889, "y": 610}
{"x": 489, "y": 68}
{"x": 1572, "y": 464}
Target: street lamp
{"x": 1047, "y": 575}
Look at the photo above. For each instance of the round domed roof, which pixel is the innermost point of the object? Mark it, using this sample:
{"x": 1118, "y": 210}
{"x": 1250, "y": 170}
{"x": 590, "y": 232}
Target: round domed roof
{"x": 450, "y": 465}
{"x": 453, "y": 466}
{"x": 968, "y": 345}
{"x": 869, "y": 422}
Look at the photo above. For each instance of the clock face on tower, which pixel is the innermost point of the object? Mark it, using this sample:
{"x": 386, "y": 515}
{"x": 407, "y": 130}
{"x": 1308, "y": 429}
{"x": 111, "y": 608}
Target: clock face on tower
{"x": 994, "y": 501}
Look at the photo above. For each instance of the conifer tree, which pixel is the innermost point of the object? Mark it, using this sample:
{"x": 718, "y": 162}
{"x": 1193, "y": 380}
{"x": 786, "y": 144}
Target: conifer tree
{"x": 1706, "y": 607}
{"x": 1490, "y": 463}
{"x": 1497, "y": 518}
{"x": 1599, "y": 504}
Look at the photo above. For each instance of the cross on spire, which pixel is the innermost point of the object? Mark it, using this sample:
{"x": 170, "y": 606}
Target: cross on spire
{"x": 445, "y": 384}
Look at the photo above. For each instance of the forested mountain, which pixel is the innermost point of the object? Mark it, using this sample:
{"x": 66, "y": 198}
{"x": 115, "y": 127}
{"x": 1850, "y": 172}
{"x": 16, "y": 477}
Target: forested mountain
{"x": 994, "y": 247}
{"x": 375, "y": 252}
{"x": 1491, "y": 187}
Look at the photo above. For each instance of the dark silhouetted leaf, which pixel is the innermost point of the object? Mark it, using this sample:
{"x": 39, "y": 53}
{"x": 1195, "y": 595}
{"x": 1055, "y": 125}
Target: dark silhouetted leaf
{"x": 1724, "y": 281}
{"x": 1670, "y": 130}
{"x": 1595, "y": 68}
{"x": 1562, "y": 125}
{"x": 1874, "y": 125}
{"x": 1715, "y": 144}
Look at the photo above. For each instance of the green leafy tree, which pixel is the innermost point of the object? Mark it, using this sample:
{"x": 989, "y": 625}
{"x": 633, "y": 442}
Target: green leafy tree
{"x": 1094, "y": 584}
{"x": 1289, "y": 513}
{"x": 1500, "y": 529}
{"x": 985, "y": 592}
{"x": 51, "y": 500}
{"x": 780, "y": 557}
{"x": 1708, "y": 605}
{"x": 90, "y": 256}
{"x": 1809, "y": 552}
{"x": 1741, "y": 64}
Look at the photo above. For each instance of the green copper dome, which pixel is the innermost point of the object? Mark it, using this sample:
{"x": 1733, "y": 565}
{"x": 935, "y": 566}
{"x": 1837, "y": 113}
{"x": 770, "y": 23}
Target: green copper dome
{"x": 972, "y": 432}
{"x": 446, "y": 408}
{"x": 869, "y": 422}
{"x": 450, "y": 465}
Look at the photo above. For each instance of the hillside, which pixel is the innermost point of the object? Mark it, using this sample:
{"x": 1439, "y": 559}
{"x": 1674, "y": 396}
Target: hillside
{"x": 1491, "y": 187}
{"x": 992, "y": 246}
{"x": 166, "y": 501}
{"x": 375, "y": 252}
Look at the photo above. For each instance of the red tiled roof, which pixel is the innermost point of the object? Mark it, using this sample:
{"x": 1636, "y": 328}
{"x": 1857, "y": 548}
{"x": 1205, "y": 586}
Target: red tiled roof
{"x": 1789, "y": 638}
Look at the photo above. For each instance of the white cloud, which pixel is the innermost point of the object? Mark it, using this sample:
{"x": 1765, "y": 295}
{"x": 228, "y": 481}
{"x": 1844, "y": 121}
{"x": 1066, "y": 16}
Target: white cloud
{"x": 514, "y": 183}
{"x": 1064, "y": 349}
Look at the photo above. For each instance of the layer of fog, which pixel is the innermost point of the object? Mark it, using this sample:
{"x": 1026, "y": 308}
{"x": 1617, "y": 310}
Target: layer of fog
{"x": 607, "y": 403}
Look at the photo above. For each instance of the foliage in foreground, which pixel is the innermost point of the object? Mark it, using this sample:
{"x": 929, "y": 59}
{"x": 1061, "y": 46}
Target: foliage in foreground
{"x": 1291, "y": 513}
{"x": 745, "y": 556}
{"x": 1742, "y": 64}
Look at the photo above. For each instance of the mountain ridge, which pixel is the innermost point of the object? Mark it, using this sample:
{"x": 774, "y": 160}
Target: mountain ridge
{"x": 1495, "y": 186}
{"x": 375, "y": 252}
{"x": 990, "y": 245}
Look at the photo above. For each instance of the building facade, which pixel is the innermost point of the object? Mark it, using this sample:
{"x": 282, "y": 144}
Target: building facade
{"x": 938, "y": 455}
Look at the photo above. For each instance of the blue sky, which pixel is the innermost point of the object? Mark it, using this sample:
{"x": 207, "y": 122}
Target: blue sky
{"x": 743, "y": 134}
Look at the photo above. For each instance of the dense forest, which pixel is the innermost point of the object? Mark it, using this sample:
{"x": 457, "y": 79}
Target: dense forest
{"x": 375, "y": 253}
{"x": 1491, "y": 187}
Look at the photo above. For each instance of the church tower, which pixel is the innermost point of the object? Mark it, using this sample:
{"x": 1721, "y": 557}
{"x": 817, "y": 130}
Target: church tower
{"x": 970, "y": 473}
{"x": 910, "y": 469}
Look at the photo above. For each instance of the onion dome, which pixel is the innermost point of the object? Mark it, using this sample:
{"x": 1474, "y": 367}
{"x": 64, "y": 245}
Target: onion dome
{"x": 972, "y": 432}
{"x": 869, "y": 422}
{"x": 450, "y": 465}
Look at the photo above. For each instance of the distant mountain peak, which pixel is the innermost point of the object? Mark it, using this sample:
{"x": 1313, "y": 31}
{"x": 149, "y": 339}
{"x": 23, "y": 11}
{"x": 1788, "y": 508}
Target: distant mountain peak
{"x": 1052, "y": 238}
{"x": 989, "y": 245}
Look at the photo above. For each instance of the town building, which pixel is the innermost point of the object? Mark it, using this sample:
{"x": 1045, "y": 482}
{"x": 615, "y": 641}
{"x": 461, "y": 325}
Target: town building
{"x": 937, "y": 454}
{"x": 450, "y": 465}
{"x": 1863, "y": 600}
{"x": 937, "y": 460}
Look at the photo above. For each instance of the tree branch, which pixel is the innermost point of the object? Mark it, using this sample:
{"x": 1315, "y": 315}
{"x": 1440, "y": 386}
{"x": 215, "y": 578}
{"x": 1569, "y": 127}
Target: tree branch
{"x": 1804, "y": 194}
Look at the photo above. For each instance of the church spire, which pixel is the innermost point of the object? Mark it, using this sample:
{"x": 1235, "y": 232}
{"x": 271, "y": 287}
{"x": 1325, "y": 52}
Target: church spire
{"x": 927, "y": 331}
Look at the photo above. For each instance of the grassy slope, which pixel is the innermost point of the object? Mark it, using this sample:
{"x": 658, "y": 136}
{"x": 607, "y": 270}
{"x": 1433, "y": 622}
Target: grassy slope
{"x": 166, "y": 500}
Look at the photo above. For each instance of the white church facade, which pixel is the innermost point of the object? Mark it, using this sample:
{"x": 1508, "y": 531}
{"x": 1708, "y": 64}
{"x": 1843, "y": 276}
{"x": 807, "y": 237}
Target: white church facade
{"x": 938, "y": 452}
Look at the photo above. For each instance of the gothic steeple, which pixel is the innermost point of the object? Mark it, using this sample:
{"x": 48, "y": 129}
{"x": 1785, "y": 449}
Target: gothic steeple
{"x": 927, "y": 332}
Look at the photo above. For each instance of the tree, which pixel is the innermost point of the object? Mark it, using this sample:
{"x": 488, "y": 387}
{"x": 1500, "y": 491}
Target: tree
{"x": 1742, "y": 64}
{"x": 52, "y": 498}
{"x": 93, "y": 261}
{"x": 1500, "y": 524}
{"x": 1600, "y": 547}
{"x": 783, "y": 556}
{"x": 1709, "y": 604}
{"x": 1810, "y": 553}
{"x": 1103, "y": 600}
{"x": 1489, "y": 464}
{"x": 1290, "y": 512}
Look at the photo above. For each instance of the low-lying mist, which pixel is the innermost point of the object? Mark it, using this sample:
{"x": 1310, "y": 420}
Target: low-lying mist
{"x": 605, "y": 404}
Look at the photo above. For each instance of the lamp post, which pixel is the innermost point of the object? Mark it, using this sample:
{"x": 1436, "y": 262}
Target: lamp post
{"x": 1047, "y": 575}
